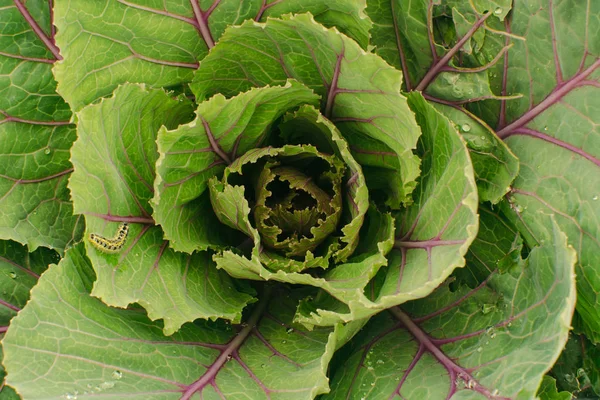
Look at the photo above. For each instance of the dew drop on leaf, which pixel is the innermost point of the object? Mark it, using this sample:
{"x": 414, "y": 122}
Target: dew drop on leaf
{"x": 595, "y": 198}
{"x": 289, "y": 330}
{"x": 263, "y": 365}
{"x": 70, "y": 396}
{"x": 283, "y": 341}
{"x": 13, "y": 274}
{"x": 498, "y": 10}
{"x": 479, "y": 349}
{"x": 47, "y": 151}
{"x": 117, "y": 374}
{"x": 465, "y": 127}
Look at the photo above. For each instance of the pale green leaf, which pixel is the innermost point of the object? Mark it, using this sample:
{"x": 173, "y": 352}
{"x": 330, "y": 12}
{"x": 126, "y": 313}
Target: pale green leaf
{"x": 19, "y": 272}
{"x": 68, "y": 344}
{"x": 35, "y": 133}
{"x": 492, "y": 342}
{"x": 161, "y": 43}
{"x": 114, "y": 158}
{"x": 554, "y": 130}
{"x": 359, "y": 92}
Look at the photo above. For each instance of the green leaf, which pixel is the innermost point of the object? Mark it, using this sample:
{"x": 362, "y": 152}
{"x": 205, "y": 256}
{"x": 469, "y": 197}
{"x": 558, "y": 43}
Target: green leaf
{"x": 496, "y": 167}
{"x": 195, "y": 152}
{"x": 35, "y": 133}
{"x": 114, "y": 158}
{"x": 404, "y": 36}
{"x": 494, "y": 342}
{"x": 497, "y": 247}
{"x": 578, "y": 368}
{"x": 66, "y": 343}
{"x": 432, "y": 235}
{"x": 359, "y": 92}
{"x": 548, "y": 390}
{"x": 554, "y": 130}
{"x": 160, "y": 43}
{"x": 19, "y": 272}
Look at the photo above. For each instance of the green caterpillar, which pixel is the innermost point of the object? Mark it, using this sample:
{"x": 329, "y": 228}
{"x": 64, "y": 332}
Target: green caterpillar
{"x": 111, "y": 245}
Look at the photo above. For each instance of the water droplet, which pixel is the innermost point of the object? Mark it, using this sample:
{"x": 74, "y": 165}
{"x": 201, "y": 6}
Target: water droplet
{"x": 546, "y": 128}
{"x": 519, "y": 209}
{"x": 498, "y": 10}
{"x": 263, "y": 365}
{"x": 47, "y": 151}
{"x": 465, "y": 127}
{"x": 595, "y": 198}
{"x": 117, "y": 374}
{"x": 283, "y": 341}
{"x": 493, "y": 335}
{"x": 70, "y": 396}
{"x": 380, "y": 361}
{"x": 479, "y": 349}
{"x": 495, "y": 392}
{"x": 13, "y": 274}
{"x": 370, "y": 368}
{"x": 509, "y": 324}
{"x": 289, "y": 330}
{"x": 228, "y": 357}
{"x": 372, "y": 383}
{"x": 471, "y": 384}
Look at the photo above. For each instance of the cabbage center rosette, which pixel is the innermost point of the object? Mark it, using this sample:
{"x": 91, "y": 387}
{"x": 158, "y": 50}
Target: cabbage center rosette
{"x": 265, "y": 167}
{"x": 295, "y": 194}
{"x": 297, "y": 197}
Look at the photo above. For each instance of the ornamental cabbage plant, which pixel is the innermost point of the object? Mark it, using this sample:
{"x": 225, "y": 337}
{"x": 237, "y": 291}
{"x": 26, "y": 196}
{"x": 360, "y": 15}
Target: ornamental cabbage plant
{"x": 284, "y": 199}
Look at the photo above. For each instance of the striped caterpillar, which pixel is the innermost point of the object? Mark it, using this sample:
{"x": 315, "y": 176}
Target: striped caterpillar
{"x": 111, "y": 245}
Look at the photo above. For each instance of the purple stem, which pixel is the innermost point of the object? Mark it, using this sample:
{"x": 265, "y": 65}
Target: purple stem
{"x": 213, "y": 143}
{"x": 333, "y": 89}
{"x": 202, "y": 24}
{"x": 264, "y": 8}
{"x": 400, "y": 49}
{"x": 210, "y": 374}
{"x": 38, "y": 31}
{"x": 437, "y": 67}
{"x": 8, "y": 305}
{"x": 452, "y": 368}
{"x": 426, "y": 244}
{"x": 46, "y": 178}
{"x": 550, "y": 139}
{"x": 559, "y": 92}
{"x": 502, "y": 117}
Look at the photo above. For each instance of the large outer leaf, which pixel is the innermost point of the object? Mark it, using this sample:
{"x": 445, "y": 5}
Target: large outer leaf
{"x": 35, "y": 133}
{"x": 404, "y": 33}
{"x": 432, "y": 235}
{"x": 114, "y": 158}
{"x": 67, "y": 343}
{"x": 161, "y": 42}
{"x": 554, "y": 130}
{"x": 360, "y": 92}
{"x": 492, "y": 342}
{"x": 19, "y": 272}
{"x": 193, "y": 153}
